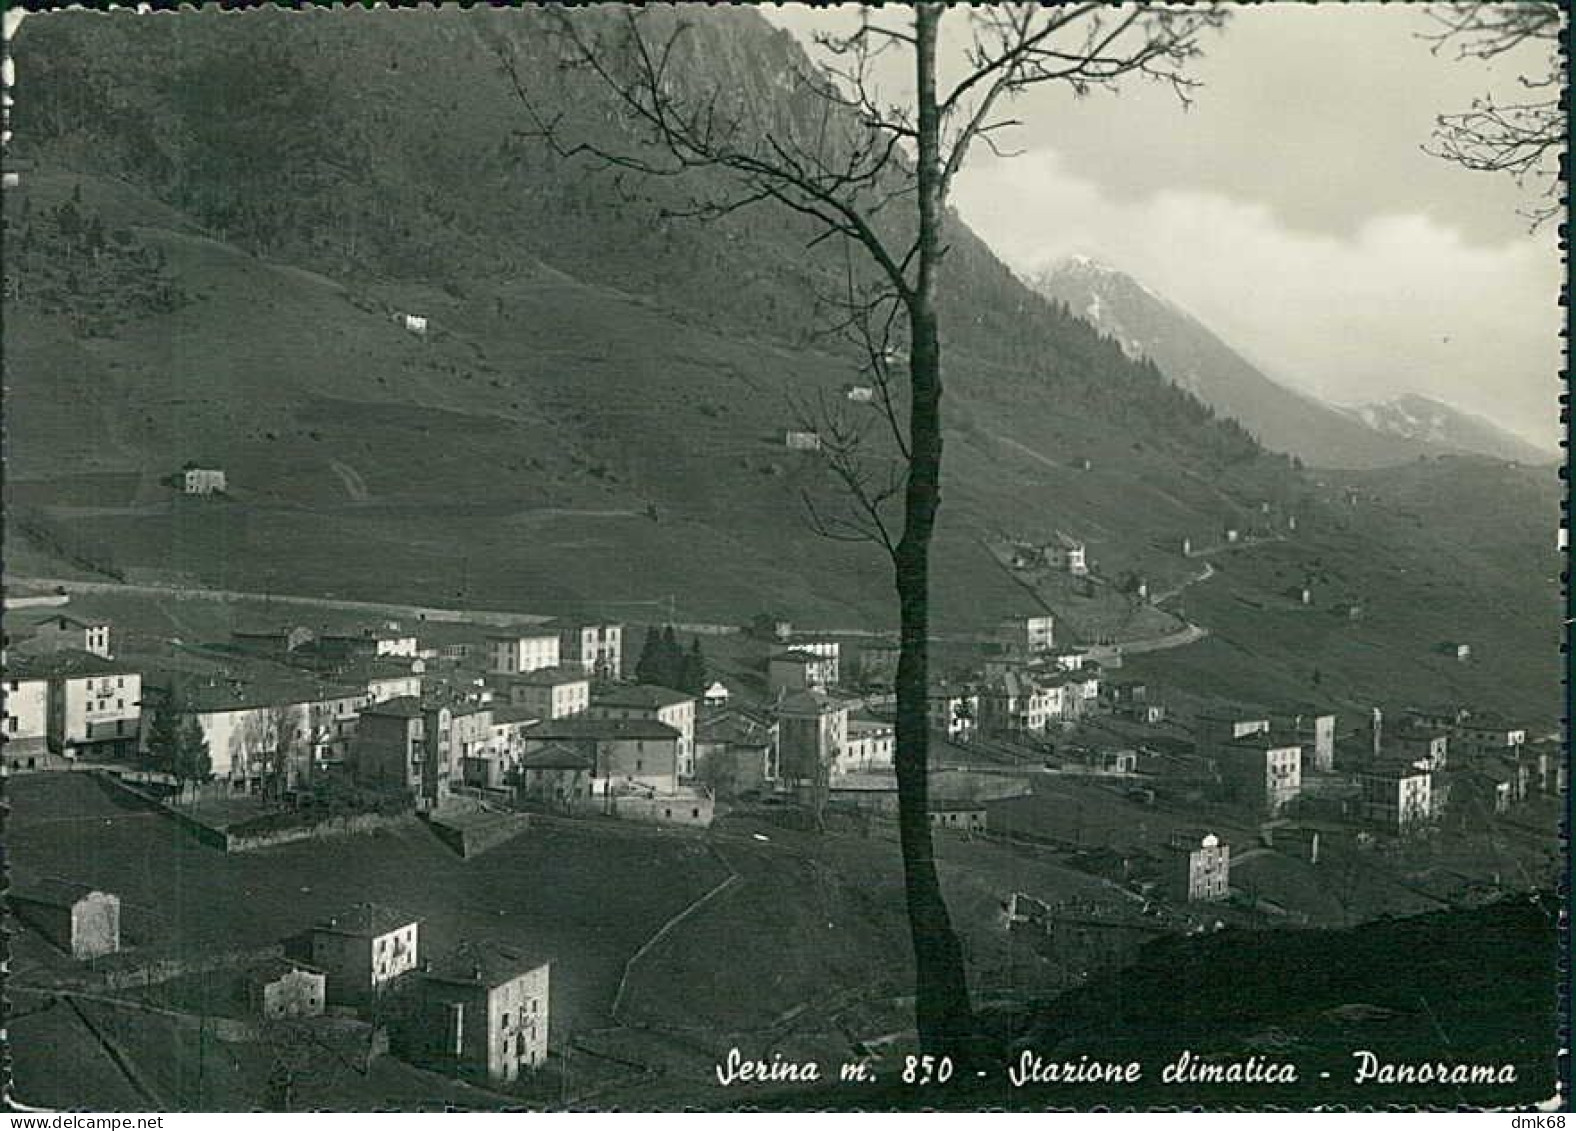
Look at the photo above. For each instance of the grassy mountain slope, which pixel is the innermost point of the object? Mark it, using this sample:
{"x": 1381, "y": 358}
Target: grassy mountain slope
{"x": 595, "y": 418}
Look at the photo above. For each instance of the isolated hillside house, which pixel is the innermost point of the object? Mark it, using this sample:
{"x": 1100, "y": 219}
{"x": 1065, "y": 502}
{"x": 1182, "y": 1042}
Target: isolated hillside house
{"x": 958, "y": 816}
{"x": 803, "y": 441}
{"x": 553, "y": 693}
{"x": 596, "y": 647}
{"x": 281, "y": 989}
{"x": 522, "y": 650}
{"x": 363, "y": 950}
{"x": 203, "y": 481}
{"x": 1396, "y": 796}
{"x": 800, "y": 670}
{"x": 1067, "y": 554}
{"x": 1205, "y": 868}
{"x": 1461, "y": 652}
{"x": 869, "y": 747}
{"x": 736, "y": 752}
{"x": 1224, "y": 726}
{"x": 60, "y": 632}
{"x": 715, "y": 695}
{"x": 24, "y": 720}
{"x": 1027, "y": 635}
{"x": 482, "y": 1011}
{"x": 1261, "y": 770}
{"x": 812, "y": 730}
{"x": 80, "y": 921}
{"x": 629, "y": 754}
{"x": 93, "y": 705}
{"x": 860, "y": 394}
{"x": 659, "y": 704}
{"x": 413, "y": 323}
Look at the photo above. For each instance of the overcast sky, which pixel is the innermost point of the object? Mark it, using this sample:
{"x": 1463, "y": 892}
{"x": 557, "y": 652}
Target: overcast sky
{"x": 1294, "y": 212}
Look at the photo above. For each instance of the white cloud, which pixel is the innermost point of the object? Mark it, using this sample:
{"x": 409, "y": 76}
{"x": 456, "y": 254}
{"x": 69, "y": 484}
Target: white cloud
{"x": 1404, "y": 304}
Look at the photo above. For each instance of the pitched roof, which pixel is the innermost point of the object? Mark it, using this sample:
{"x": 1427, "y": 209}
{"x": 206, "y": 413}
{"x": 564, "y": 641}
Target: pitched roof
{"x": 551, "y": 677}
{"x": 367, "y": 919}
{"x": 580, "y": 727}
{"x": 556, "y": 756}
{"x": 404, "y": 707}
{"x": 508, "y": 713}
{"x": 63, "y": 665}
{"x": 808, "y": 703}
{"x": 66, "y": 619}
{"x": 52, "y": 892}
{"x": 524, "y": 632}
{"x": 799, "y": 656}
{"x": 647, "y": 695}
{"x": 484, "y": 964}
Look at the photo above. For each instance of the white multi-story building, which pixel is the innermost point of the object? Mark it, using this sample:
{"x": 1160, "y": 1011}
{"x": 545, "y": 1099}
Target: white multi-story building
{"x": 553, "y": 693}
{"x": 525, "y": 650}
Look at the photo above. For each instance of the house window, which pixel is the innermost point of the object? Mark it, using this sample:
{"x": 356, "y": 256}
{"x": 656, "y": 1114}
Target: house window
{"x": 506, "y": 1019}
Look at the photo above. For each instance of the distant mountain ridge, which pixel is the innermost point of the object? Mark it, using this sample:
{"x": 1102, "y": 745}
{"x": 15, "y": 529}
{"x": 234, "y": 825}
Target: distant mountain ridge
{"x": 1148, "y": 325}
{"x": 1413, "y": 416}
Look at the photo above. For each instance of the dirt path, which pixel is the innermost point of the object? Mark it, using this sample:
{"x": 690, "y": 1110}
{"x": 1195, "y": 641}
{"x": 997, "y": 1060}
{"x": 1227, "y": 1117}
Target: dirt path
{"x": 355, "y": 486}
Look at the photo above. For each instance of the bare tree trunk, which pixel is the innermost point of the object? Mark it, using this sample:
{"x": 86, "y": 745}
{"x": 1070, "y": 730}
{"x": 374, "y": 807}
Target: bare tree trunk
{"x": 942, "y": 1011}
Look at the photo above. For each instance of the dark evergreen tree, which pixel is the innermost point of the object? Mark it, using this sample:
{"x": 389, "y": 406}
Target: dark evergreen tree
{"x": 164, "y": 731}
{"x": 670, "y": 668}
{"x": 192, "y": 762}
{"x": 647, "y": 666}
{"x": 692, "y": 676}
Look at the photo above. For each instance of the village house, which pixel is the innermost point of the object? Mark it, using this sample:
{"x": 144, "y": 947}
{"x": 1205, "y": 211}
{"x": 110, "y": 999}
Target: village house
{"x": 362, "y": 951}
{"x": 860, "y": 394}
{"x": 522, "y": 650}
{"x": 451, "y": 640}
{"x": 952, "y": 710}
{"x": 268, "y": 728}
{"x": 203, "y": 481}
{"x": 553, "y": 693}
{"x": 383, "y": 640}
{"x": 1396, "y": 796}
{"x": 482, "y": 1011}
{"x": 282, "y": 989}
{"x": 24, "y": 720}
{"x": 715, "y": 695}
{"x": 1426, "y": 747}
{"x": 78, "y": 920}
{"x": 736, "y": 752}
{"x": 596, "y": 647}
{"x": 1225, "y": 726}
{"x": 1204, "y": 870}
{"x": 1261, "y": 770}
{"x": 1488, "y": 736}
{"x": 868, "y": 748}
{"x": 799, "y": 670}
{"x": 802, "y": 441}
{"x": 1026, "y": 635}
{"x": 420, "y": 746}
{"x": 61, "y": 632}
{"x": 824, "y": 647}
{"x": 812, "y": 731}
{"x": 1316, "y": 732}
{"x": 93, "y": 705}
{"x": 384, "y": 678}
{"x": 493, "y": 763}
{"x": 627, "y": 754}
{"x": 958, "y": 816}
{"x": 557, "y": 777}
{"x": 877, "y": 665}
{"x": 660, "y": 704}
{"x": 1067, "y": 554}
{"x": 1019, "y": 703}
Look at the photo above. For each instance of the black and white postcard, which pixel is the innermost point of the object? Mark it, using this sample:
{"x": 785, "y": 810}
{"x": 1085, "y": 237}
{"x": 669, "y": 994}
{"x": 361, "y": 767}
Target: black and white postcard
{"x": 622, "y": 558}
